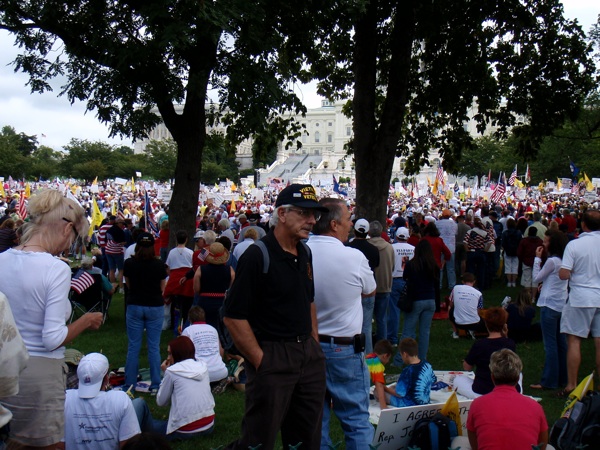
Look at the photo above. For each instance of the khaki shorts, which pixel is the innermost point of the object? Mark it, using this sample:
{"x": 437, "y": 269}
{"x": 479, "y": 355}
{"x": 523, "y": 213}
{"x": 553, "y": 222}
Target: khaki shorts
{"x": 39, "y": 407}
{"x": 580, "y": 321}
{"x": 527, "y": 278}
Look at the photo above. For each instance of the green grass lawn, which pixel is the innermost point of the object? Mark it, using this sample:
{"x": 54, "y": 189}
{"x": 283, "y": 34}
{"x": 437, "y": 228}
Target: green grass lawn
{"x": 445, "y": 353}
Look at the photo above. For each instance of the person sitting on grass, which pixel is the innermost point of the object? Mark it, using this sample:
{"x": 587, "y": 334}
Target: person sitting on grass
{"x": 465, "y": 303}
{"x": 208, "y": 347}
{"x": 504, "y": 418}
{"x": 478, "y": 357}
{"x": 376, "y": 361}
{"x": 95, "y": 417}
{"x": 414, "y": 385}
{"x": 521, "y": 313}
{"x": 186, "y": 386}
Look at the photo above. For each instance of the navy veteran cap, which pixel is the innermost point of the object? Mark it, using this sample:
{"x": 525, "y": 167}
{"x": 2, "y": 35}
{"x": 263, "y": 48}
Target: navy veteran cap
{"x": 301, "y": 195}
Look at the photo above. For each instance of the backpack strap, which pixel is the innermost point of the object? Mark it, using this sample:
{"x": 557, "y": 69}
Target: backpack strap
{"x": 434, "y": 435}
{"x": 265, "y": 252}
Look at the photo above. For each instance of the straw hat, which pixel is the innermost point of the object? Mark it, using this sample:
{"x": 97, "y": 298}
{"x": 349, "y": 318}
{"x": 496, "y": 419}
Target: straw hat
{"x": 217, "y": 254}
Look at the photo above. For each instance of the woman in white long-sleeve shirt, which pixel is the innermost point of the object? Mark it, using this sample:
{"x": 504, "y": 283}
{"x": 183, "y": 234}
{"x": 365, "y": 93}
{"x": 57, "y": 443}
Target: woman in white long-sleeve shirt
{"x": 37, "y": 285}
{"x": 552, "y": 298}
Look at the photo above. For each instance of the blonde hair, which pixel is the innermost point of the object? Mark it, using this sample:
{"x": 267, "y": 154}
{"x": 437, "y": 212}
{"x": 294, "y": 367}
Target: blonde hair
{"x": 46, "y": 211}
{"x": 505, "y": 366}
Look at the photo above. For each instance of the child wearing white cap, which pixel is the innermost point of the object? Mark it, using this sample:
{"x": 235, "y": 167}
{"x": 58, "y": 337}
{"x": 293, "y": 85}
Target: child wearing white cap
{"x": 96, "y": 418}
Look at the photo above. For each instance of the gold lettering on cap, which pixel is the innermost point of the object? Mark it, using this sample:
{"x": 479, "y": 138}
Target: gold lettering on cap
{"x": 309, "y": 193}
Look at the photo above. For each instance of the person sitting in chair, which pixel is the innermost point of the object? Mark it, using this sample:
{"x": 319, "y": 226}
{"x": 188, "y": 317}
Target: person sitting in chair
{"x": 90, "y": 288}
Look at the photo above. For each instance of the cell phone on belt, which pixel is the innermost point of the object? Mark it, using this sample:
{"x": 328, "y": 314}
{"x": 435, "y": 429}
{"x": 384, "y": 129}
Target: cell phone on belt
{"x": 359, "y": 342}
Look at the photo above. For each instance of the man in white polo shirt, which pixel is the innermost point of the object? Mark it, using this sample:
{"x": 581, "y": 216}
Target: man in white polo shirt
{"x": 581, "y": 314}
{"x": 342, "y": 277}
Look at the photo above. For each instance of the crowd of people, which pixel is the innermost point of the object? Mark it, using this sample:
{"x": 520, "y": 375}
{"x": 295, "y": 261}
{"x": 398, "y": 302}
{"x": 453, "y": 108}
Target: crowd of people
{"x": 300, "y": 293}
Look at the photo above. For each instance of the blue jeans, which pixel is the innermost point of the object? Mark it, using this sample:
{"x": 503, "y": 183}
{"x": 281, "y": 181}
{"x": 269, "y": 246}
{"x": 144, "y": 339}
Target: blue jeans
{"x": 138, "y": 318}
{"x": 555, "y": 346}
{"x": 393, "y": 312}
{"x": 348, "y": 389}
{"x": 450, "y": 271}
{"x": 422, "y": 314}
{"x": 148, "y": 424}
{"x": 368, "y": 304}
{"x": 381, "y": 304}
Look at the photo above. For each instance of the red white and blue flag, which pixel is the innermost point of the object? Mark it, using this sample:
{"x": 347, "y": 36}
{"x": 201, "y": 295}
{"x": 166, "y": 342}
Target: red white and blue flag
{"x": 500, "y": 190}
{"x": 151, "y": 225}
{"x": 513, "y": 177}
{"x": 81, "y": 281}
{"x": 22, "y": 207}
{"x": 439, "y": 176}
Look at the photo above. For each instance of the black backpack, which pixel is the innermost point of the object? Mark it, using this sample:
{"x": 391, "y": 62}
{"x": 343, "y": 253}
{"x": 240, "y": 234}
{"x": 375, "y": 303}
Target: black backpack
{"x": 582, "y": 428}
{"x": 435, "y": 433}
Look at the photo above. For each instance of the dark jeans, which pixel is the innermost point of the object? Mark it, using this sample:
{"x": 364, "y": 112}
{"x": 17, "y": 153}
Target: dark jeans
{"x": 476, "y": 264}
{"x": 287, "y": 392}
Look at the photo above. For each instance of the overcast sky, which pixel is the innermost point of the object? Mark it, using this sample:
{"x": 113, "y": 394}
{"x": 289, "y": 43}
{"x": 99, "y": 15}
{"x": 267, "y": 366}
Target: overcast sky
{"x": 55, "y": 121}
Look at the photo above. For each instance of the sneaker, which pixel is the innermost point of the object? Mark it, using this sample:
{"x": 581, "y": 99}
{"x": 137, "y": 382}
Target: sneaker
{"x": 220, "y": 388}
{"x": 153, "y": 392}
{"x": 472, "y": 333}
{"x": 121, "y": 291}
{"x": 455, "y": 335}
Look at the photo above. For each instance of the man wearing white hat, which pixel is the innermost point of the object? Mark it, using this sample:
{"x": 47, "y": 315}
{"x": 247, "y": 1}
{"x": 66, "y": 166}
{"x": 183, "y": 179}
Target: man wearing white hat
{"x": 96, "y": 418}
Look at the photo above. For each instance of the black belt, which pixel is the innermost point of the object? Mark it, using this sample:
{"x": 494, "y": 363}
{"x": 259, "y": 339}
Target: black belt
{"x": 270, "y": 338}
{"x": 336, "y": 340}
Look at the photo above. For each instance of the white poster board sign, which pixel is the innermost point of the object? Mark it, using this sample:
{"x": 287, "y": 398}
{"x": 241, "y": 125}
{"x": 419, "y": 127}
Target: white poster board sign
{"x": 396, "y": 424}
{"x": 165, "y": 196}
{"x": 120, "y": 181}
{"x": 94, "y": 188}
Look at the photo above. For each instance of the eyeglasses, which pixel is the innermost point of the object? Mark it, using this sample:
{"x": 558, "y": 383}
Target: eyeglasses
{"x": 306, "y": 213}
{"x": 74, "y": 230}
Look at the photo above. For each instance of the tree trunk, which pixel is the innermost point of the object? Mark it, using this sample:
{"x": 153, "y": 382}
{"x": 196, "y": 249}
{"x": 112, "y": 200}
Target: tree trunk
{"x": 375, "y": 144}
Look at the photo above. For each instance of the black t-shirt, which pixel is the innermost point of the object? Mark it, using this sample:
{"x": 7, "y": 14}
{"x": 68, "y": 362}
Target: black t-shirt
{"x": 369, "y": 250}
{"x": 479, "y": 356}
{"x": 144, "y": 281}
{"x": 276, "y": 304}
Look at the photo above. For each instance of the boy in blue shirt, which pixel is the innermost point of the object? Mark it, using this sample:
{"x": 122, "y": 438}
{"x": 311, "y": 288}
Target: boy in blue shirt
{"x": 414, "y": 384}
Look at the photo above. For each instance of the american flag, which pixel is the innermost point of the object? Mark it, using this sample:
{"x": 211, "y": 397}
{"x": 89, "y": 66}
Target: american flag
{"x": 120, "y": 211}
{"x": 81, "y": 281}
{"x": 500, "y": 190}
{"x": 149, "y": 215}
{"x": 513, "y": 177}
{"x": 22, "y": 208}
{"x": 439, "y": 176}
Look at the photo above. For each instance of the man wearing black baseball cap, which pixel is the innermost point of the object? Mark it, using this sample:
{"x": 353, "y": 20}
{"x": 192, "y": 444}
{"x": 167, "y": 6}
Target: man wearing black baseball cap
{"x": 270, "y": 314}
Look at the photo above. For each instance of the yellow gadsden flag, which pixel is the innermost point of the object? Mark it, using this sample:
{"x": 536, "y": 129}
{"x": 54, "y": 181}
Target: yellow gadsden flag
{"x": 452, "y": 411}
{"x": 578, "y": 393}
{"x": 96, "y": 217}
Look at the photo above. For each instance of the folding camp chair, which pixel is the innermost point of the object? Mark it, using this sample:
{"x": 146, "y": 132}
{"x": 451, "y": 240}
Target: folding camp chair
{"x": 86, "y": 295}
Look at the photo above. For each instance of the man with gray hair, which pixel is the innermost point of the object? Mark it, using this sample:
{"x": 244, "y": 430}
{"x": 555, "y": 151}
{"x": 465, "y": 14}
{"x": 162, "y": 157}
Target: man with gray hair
{"x": 342, "y": 278}
{"x": 491, "y": 415}
{"x": 272, "y": 318}
{"x": 383, "y": 277}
